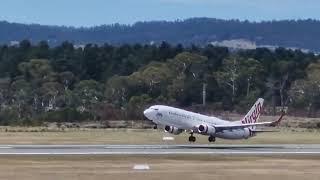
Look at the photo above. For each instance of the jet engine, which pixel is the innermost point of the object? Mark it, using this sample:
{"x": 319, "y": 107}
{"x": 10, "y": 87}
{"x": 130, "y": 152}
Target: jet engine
{"x": 247, "y": 133}
{"x": 205, "y": 129}
{"x": 173, "y": 130}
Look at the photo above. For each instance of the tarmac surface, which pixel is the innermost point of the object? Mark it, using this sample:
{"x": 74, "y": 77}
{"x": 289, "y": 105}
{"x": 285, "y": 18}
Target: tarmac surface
{"x": 224, "y": 149}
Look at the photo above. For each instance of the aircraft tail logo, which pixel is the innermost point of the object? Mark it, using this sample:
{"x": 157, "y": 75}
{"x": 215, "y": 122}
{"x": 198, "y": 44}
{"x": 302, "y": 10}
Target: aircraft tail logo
{"x": 253, "y": 115}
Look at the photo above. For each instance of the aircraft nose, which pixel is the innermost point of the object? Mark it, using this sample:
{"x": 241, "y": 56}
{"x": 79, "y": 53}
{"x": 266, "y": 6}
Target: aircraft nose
{"x": 147, "y": 113}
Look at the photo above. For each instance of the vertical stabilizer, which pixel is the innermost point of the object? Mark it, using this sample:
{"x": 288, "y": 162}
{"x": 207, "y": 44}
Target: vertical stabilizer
{"x": 253, "y": 115}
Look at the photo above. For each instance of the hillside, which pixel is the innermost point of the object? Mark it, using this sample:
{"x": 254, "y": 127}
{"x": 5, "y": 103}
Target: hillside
{"x": 301, "y": 34}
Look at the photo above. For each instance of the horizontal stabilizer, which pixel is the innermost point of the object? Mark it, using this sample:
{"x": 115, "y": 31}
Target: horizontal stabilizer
{"x": 240, "y": 126}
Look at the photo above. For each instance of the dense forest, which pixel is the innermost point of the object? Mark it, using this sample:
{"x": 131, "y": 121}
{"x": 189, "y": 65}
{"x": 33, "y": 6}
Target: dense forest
{"x": 199, "y": 31}
{"x": 41, "y": 83}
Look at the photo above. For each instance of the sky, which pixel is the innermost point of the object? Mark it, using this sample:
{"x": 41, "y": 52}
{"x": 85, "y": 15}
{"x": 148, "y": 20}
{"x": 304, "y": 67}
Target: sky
{"x": 97, "y": 12}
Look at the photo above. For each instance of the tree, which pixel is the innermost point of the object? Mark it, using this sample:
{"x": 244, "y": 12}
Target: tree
{"x": 21, "y": 97}
{"x": 155, "y": 77}
{"x": 4, "y": 92}
{"x": 89, "y": 93}
{"x": 190, "y": 70}
{"x": 137, "y": 104}
{"x": 41, "y": 51}
{"x": 229, "y": 75}
{"x": 67, "y": 79}
{"x": 83, "y": 81}
{"x": 38, "y": 70}
{"x": 251, "y": 71}
{"x": 117, "y": 90}
{"x": 50, "y": 93}
{"x": 306, "y": 92}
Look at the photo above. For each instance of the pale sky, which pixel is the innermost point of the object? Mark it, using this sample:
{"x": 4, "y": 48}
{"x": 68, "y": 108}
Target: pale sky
{"x": 98, "y": 12}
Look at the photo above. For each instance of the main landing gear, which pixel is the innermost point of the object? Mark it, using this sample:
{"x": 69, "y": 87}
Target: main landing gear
{"x": 192, "y": 138}
{"x": 211, "y": 139}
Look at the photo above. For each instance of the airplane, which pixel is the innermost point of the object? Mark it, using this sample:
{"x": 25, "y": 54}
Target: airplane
{"x": 176, "y": 121}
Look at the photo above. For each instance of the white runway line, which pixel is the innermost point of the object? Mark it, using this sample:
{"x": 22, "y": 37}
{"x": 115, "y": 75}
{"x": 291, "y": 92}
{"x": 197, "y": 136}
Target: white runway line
{"x": 164, "y": 153}
{"x": 160, "y": 149}
{"x": 5, "y": 147}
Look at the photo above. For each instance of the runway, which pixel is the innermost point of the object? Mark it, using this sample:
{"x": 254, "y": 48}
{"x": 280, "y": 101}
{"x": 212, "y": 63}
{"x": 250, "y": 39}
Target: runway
{"x": 223, "y": 149}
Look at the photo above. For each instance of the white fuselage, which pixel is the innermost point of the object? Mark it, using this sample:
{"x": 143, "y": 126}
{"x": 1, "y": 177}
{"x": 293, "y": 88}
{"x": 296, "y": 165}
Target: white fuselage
{"x": 186, "y": 120}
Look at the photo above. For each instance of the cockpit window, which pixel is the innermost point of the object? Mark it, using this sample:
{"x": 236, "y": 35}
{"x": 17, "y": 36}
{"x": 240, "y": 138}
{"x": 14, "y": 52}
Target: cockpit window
{"x": 155, "y": 109}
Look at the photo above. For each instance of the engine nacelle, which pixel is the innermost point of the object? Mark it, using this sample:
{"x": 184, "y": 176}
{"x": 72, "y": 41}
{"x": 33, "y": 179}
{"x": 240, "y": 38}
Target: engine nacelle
{"x": 173, "y": 130}
{"x": 205, "y": 129}
{"x": 247, "y": 133}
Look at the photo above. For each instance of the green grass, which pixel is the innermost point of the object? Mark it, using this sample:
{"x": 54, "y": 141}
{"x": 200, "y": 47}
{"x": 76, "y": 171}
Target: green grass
{"x": 129, "y": 136}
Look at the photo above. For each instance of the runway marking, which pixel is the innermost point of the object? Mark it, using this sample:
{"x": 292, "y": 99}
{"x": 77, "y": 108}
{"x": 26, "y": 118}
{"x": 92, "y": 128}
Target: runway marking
{"x": 5, "y": 147}
{"x": 160, "y": 149}
{"x": 166, "y": 153}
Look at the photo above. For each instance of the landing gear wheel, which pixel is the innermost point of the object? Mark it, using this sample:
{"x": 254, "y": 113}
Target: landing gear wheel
{"x": 212, "y": 139}
{"x": 192, "y": 139}
{"x": 155, "y": 127}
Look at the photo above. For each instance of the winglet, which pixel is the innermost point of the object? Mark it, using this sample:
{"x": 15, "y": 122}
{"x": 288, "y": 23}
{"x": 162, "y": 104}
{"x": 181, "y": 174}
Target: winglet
{"x": 277, "y": 122}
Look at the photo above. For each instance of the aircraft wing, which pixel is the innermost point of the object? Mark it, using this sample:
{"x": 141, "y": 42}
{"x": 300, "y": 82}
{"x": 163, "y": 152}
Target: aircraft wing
{"x": 262, "y": 131}
{"x": 240, "y": 126}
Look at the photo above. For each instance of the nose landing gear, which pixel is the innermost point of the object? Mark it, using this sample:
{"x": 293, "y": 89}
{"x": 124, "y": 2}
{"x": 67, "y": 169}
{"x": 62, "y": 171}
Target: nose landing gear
{"x": 192, "y": 138}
